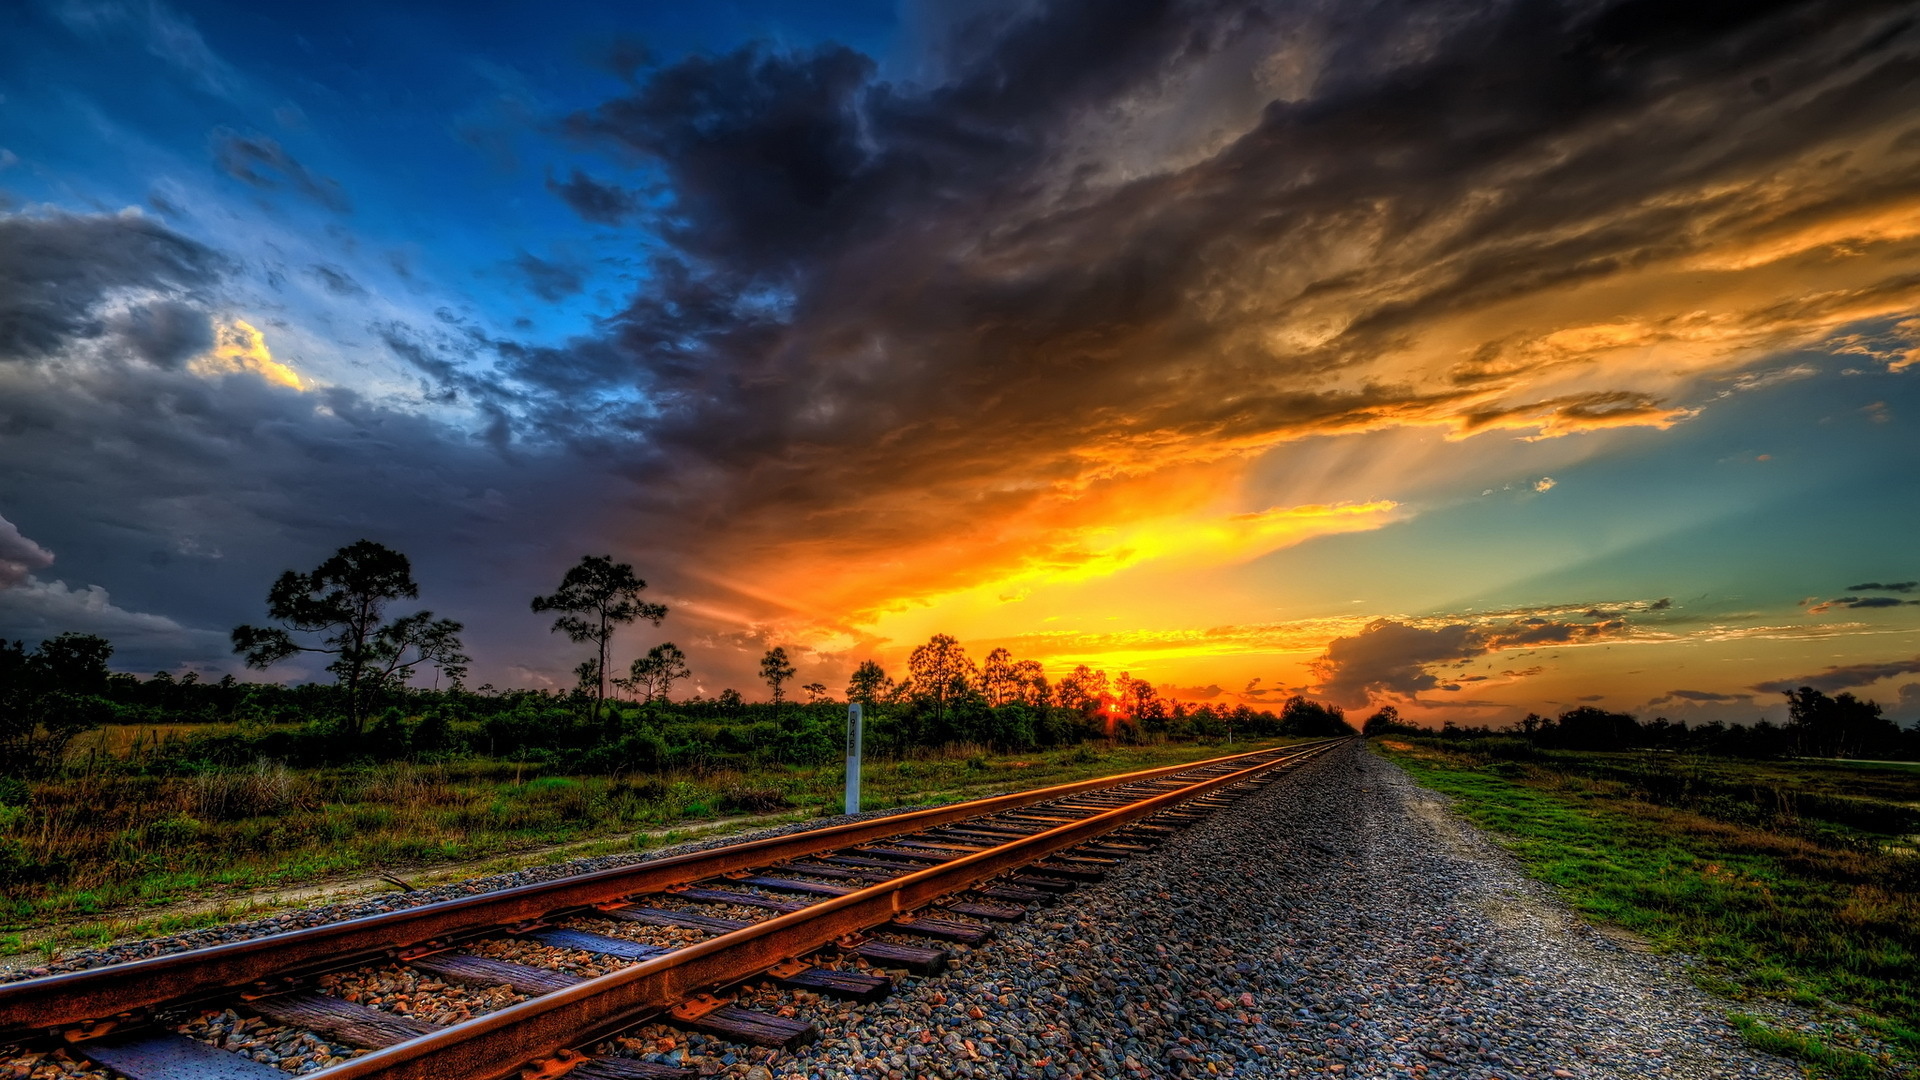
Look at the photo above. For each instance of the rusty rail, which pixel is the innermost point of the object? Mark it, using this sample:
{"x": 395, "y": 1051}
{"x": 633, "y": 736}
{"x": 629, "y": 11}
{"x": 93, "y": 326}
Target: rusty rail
{"x": 497, "y": 1044}
{"x": 52, "y": 1003}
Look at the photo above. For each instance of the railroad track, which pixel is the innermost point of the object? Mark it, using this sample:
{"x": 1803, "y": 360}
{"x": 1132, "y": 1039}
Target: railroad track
{"x": 831, "y": 911}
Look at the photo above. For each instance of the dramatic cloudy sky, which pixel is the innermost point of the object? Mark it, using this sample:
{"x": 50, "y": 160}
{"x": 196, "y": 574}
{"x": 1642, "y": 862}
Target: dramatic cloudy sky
{"x": 1476, "y": 357}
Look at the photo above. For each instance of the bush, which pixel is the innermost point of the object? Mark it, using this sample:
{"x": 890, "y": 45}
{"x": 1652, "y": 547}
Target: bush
{"x": 173, "y": 831}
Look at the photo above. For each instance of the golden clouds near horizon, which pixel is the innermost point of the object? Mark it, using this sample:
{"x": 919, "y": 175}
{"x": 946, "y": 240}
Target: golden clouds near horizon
{"x": 239, "y": 347}
{"x": 1104, "y": 549}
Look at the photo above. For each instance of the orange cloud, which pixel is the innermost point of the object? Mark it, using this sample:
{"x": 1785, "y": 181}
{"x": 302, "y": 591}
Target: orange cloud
{"x": 239, "y": 347}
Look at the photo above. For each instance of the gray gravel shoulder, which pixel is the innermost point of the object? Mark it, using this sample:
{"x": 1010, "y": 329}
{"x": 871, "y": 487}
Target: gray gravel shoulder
{"x": 1338, "y": 922}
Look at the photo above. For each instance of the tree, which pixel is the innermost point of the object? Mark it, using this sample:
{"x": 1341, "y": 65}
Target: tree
{"x": 1839, "y": 726}
{"x": 47, "y": 697}
{"x": 942, "y": 672}
{"x": 869, "y": 685}
{"x": 1590, "y": 727}
{"x": 651, "y": 677}
{"x": 1139, "y": 695}
{"x": 344, "y": 601}
{"x": 775, "y": 671}
{"x": 817, "y": 694}
{"x": 1386, "y": 721}
{"x": 999, "y": 679}
{"x": 1300, "y": 716}
{"x": 597, "y": 596}
{"x": 1083, "y": 689}
{"x": 1031, "y": 679}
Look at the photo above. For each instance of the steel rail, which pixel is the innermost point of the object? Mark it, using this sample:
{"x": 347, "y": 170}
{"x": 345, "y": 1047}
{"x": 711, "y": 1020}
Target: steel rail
{"x": 51, "y": 1003}
{"x": 500, "y": 1043}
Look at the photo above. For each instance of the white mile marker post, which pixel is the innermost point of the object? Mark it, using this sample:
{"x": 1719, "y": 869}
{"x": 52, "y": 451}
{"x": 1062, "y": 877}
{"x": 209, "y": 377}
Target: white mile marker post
{"x": 853, "y": 757}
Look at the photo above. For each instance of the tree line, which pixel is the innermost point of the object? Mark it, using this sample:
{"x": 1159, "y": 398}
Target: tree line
{"x": 1817, "y": 725}
{"x": 345, "y": 610}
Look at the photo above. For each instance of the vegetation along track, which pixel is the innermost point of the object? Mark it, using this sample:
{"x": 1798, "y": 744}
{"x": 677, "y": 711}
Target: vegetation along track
{"x": 829, "y": 909}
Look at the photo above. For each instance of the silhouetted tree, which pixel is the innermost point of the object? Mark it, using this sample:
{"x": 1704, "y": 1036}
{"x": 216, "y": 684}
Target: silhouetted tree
{"x": 942, "y": 672}
{"x": 817, "y": 693}
{"x": 598, "y": 595}
{"x": 1303, "y": 717}
{"x": 344, "y": 600}
{"x": 1084, "y": 689}
{"x": 775, "y": 671}
{"x": 998, "y": 679}
{"x": 869, "y": 685}
{"x": 47, "y": 697}
{"x": 1030, "y": 681}
{"x": 1590, "y": 727}
{"x": 651, "y": 677}
{"x": 1139, "y": 696}
{"x": 1385, "y": 721}
{"x": 1838, "y": 726}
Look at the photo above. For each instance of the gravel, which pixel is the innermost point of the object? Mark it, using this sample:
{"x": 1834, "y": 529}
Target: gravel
{"x": 1335, "y": 923}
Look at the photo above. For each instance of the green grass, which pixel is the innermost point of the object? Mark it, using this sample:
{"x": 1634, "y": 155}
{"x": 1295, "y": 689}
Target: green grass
{"x": 1818, "y": 918}
{"x": 1825, "y": 1060}
{"x": 115, "y": 854}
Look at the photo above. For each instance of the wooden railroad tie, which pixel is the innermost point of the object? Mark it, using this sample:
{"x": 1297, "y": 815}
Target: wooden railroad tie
{"x": 685, "y": 920}
{"x": 853, "y": 985}
{"x": 615, "y": 1068}
{"x": 710, "y": 1015}
{"x": 341, "y": 1020}
{"x": 157, "y": 1055}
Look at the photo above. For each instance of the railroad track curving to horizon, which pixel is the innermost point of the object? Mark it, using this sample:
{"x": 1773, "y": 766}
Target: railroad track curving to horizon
{"x": 831, "y": 911}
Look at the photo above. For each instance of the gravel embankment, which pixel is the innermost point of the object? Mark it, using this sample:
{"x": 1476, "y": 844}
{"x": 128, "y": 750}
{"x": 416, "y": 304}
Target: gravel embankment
{"x": 1336, "y": 923}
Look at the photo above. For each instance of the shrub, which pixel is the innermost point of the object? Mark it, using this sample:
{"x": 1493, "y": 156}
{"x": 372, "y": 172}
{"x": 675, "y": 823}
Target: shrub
{"x": 173, "y": 831}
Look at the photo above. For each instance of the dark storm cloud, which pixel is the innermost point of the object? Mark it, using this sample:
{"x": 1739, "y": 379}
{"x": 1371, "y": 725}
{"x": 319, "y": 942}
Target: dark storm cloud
{"x": 871, "y": 291}
{"x": 1842, "y": 677}
{"x": 263, "y": 163}
{"x": 165, "y": 332}
{"x": 1874, "y": 586}
{"x": 764, "y": 152}
{"x": 1399, "y": 659}
{"x": 56, "y": 269}
{"x": 602, "y": 204}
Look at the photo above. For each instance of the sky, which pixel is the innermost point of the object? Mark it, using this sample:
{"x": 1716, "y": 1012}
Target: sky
{"x": 1473, "y": 358}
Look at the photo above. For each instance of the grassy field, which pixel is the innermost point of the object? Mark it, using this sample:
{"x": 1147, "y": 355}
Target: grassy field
{"x": 1792, "y": 880}
{"x": 111, "y": 856}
